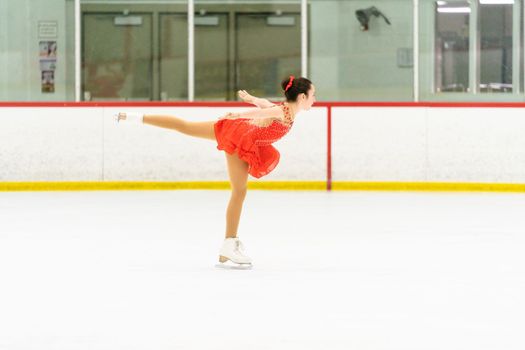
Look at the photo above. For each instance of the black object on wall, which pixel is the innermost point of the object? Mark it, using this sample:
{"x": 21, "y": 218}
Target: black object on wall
{"x": 364, "y": 16}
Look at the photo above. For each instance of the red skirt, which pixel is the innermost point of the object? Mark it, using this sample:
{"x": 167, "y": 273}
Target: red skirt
{"x": 237, "y": 136}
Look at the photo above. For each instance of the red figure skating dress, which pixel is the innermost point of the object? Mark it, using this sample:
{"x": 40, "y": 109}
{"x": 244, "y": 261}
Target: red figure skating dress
{"x": 252, "y": 142}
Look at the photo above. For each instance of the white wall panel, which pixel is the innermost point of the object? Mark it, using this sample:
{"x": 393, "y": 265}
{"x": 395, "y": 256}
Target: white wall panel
{"x": 135, "y": 152}
{"x": 368, "y": 144}
{"x": 378, "y": 144}
{"x": 155, "y": 154}
{"x": 85, "y": 144}
{"x": 51, "y": 144}
{"x": 476, "y": 144}
{"x": 303, "y": 149}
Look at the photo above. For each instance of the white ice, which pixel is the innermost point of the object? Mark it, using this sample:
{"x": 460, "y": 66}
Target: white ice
{"x": 342, "y": 270}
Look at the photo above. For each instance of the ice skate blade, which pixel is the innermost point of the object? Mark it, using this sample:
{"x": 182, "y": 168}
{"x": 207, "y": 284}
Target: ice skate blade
{"x": 229, "y": 265}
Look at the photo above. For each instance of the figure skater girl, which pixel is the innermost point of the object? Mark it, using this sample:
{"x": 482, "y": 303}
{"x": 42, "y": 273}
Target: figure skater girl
{"x": 247, "y": 139}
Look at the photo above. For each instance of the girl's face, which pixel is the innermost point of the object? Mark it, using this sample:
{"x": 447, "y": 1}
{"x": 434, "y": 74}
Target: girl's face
{"x": 309, "y": 99}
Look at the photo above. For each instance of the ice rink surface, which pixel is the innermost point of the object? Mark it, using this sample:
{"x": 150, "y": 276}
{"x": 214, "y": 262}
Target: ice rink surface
{"x": 341, "y": 270}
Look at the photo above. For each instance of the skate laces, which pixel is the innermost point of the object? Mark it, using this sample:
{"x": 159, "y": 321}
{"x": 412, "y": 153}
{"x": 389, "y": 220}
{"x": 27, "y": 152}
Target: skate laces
{"x": 239, "y": 247}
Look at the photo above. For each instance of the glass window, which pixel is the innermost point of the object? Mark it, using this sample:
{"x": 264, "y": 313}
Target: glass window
{"x": 521, "y": 54}
{"x": 452, "y": 46}
{"x": 495, "y": 56}
{"x": 361, "y": 50}
{"x": 173, "y": 61}
{"x": 262, "y": 61}
{"x": 476, "y": 49}
{"x": 117, "y": 56}
{"x": 357, "y": 50}
{"x": 212, "y": 56}
{"x": 134, "y": 51}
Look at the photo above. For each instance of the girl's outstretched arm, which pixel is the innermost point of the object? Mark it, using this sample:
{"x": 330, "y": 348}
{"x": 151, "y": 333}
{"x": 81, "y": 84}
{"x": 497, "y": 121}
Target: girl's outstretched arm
{"x": 259, "y": 102}
{"x": 257, "y": 113}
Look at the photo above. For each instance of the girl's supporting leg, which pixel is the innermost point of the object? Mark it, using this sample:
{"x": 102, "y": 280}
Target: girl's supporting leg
{"x": 198, "y": 129}
{"x": 238, "y": 172}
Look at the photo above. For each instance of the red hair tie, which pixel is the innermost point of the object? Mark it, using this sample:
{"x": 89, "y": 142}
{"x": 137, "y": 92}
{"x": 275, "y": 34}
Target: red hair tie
{"x": 289, "y": 83}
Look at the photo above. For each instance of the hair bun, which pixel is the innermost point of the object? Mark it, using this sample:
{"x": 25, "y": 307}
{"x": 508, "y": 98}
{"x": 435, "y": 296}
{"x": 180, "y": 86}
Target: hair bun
{"x": 292, "y": 87}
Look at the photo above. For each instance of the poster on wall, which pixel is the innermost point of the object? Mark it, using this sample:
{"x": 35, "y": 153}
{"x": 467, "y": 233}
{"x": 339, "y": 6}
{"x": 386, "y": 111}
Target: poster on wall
{"x": 48, "y": 49}
{"x": 48, "y": 63}
{"x": 48, "y": 81}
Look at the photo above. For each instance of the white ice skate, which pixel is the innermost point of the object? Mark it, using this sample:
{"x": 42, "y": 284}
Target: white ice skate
{"x": 231, "y": 255}
{"x": 129, "y": 117}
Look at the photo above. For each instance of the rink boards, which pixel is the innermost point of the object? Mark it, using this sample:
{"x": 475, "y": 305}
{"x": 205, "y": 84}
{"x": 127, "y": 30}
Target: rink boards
{"x": 356, "y": 147}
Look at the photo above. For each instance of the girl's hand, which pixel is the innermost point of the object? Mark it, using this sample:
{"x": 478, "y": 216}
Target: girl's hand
{"x": 246, "y": 97}
{"x": 119, "y": 116}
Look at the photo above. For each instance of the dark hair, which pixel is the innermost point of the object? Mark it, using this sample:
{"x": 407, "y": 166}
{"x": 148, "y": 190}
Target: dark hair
{"x": 299, "y": 86}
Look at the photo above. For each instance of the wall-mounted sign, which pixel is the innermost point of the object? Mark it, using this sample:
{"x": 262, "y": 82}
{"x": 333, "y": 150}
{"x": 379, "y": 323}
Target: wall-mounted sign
{"x": 280, "y": 21}
{"x": 128, "y": 21}
{"x": 206, "y": 20}
{"x": 47, "y": 29}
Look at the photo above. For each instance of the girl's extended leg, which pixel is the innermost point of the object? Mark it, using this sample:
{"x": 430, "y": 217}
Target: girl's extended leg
{"x": 238, "y": 172}
{"x": 198, "y": 129}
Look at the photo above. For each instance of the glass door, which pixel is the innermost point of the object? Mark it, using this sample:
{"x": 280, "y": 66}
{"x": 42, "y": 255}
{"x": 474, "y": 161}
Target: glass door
{"x": 117, "y": 56}
{"x": 173, "y": 62}
{"x": 268, "y": 49}
{"x": 212, "y": 63}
